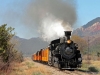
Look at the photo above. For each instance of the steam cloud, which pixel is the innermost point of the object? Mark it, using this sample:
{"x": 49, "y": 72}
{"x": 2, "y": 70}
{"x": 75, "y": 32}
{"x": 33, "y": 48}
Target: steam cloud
{"x": 51, "y": 17}
{"x": 48, "y": 17}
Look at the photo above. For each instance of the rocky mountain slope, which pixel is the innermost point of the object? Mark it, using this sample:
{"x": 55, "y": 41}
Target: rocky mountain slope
{"x": 92, "y": 28}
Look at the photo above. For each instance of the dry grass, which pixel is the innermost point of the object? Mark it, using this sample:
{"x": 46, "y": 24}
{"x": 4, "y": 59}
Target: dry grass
{"x": 91, "y": 66}
{"x": 28, "y": 67}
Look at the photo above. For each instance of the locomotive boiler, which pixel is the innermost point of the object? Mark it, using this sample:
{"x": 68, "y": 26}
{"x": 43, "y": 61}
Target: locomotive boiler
{"x": 62, "y": 53}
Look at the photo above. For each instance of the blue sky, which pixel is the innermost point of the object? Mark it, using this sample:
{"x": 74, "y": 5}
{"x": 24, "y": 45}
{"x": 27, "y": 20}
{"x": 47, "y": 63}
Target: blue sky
{"x": 86, "y": 11}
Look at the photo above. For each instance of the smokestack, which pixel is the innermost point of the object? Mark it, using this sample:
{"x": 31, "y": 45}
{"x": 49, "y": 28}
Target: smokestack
{"x": 68, "y": 34}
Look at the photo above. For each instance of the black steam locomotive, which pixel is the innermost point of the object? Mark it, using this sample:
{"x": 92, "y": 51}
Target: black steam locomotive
{"x": 64, "y": 53}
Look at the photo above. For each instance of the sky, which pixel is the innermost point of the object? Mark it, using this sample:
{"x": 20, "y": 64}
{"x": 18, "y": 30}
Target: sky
{"x": 86, "y": 11}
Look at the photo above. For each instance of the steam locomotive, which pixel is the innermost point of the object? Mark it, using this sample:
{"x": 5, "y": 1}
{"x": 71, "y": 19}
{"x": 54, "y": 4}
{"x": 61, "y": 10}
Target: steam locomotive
{"x": 62, "y": 53}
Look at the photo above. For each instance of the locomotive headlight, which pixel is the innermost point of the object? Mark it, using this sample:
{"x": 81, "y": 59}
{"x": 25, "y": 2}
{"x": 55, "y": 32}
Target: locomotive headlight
{"x": 68, "y": 41}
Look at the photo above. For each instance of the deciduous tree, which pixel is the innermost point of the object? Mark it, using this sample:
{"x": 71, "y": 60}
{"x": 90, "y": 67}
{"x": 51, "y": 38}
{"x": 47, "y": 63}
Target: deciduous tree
{"x": 7, "y": 51}
{"x": 82, "y": 44}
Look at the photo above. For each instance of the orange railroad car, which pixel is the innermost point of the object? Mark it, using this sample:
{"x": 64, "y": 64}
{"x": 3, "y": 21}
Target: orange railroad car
{"x": 40, "y": 55}
{"x": 45, "y": 55}
{"x": 37, "y": 56}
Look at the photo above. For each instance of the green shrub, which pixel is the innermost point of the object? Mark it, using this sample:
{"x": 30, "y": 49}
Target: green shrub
{"x": 93, "y": 69}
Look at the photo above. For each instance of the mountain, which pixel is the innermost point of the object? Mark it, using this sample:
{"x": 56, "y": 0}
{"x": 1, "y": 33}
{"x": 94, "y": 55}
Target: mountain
{"x": 29, "y": 46}
{"x": 92, "y": 22}
{"x": 92, "y": 28}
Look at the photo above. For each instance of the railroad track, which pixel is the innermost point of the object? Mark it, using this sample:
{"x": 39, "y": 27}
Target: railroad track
{"x": 56, "y": 71}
